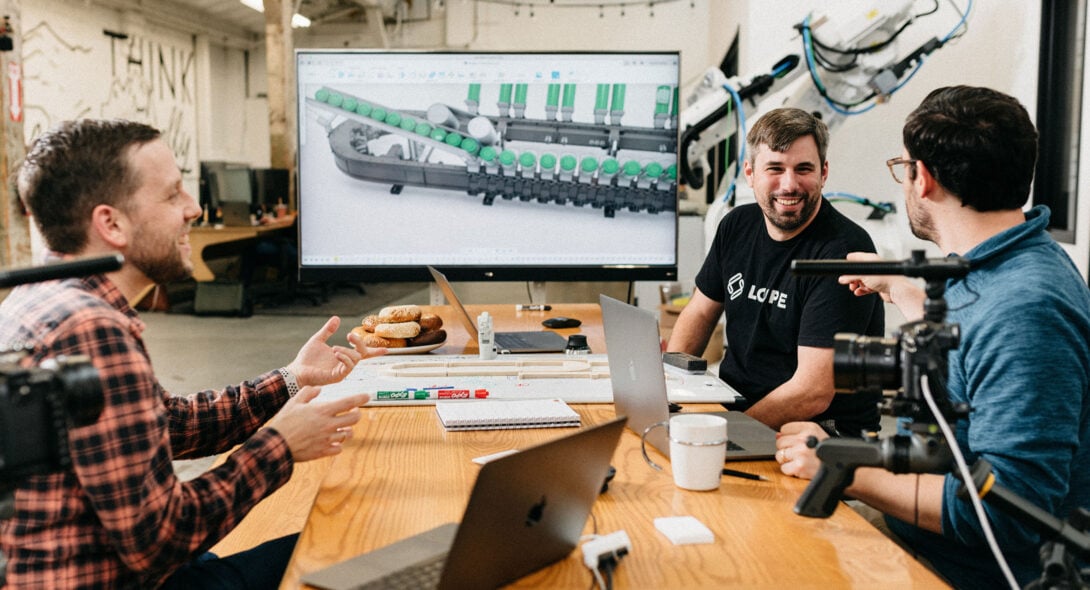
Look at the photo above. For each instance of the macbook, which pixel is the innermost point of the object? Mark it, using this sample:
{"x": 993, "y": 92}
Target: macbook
{"x": 526, "y": 511}
{"x": 506, "y": 342}
{"x": 639, "y": 384}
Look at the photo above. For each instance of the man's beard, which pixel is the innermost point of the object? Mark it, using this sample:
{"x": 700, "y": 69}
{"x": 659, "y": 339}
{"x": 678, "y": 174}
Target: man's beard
{"x": 920, "y": 222}
{"x": 158, "y": 259}
{"x": 790, "y": 223}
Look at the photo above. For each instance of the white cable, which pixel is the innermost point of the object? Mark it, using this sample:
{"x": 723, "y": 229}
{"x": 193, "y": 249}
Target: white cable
{"x": 967, "y": 478}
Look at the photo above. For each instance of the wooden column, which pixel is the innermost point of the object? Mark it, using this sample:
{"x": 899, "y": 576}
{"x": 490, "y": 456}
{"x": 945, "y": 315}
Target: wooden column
{"x": 14, "y": 224}
{"x": 280, "y": 63}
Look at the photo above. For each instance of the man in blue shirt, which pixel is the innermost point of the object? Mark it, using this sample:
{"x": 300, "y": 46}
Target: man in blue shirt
{"x": 1023, "y": 361}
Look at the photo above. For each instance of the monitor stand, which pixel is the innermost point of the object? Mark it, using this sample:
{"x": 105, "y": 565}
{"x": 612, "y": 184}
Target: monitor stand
{"x": 537, "y": 293}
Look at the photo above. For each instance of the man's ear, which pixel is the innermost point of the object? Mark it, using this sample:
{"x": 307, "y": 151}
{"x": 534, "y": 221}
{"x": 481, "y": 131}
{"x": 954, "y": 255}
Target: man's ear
{"x": 926, "y": 185}
{"x": 747, "y": 171}
{"x": 110, "y": 226}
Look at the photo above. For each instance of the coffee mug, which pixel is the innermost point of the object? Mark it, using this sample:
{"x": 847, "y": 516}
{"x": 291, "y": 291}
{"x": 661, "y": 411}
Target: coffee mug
{"x": 698, "y": 448}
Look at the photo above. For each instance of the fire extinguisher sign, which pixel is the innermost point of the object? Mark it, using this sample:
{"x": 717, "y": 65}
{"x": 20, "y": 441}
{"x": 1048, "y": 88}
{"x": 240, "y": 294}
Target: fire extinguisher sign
{"x": 15, "y": 92}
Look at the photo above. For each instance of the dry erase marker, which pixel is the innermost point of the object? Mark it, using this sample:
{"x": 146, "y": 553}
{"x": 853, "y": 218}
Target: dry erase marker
{"x": 521, "y": 307}
{"x": 453, "y": 394}
{"x": 402, "y": 394}
{"x": 480, "y": 393}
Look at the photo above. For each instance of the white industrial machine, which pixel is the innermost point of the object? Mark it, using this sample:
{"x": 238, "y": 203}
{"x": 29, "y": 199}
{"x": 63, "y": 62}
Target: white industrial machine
{"x": 851, "y": 61}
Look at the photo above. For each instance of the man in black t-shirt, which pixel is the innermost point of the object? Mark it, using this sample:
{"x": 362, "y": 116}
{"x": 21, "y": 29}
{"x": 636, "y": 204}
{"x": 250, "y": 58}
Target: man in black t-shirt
{"x": 780, "y": 327}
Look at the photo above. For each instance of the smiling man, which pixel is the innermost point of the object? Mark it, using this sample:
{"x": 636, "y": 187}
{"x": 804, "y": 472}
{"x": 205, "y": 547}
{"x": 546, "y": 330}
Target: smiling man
{"x": 118, "y": 517}
{"x": 780, "y": 327}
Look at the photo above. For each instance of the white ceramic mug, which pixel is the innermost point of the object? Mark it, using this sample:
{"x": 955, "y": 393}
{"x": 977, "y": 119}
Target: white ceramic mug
{"x": 698, "y": 448}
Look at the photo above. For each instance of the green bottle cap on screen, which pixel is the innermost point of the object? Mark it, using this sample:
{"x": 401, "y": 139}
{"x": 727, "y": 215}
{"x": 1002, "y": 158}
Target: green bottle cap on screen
{"x": 548, "y": 162}
{"x": 453, "y": 139}
{"x": 408, "y": 123}
{"x": 567, "y": 163}
{"x": 393, "y": 118}
{"x": 335, "y": 99}
{"x": 653, "y": 170}
{"x": 507, "y": 157}
{"x": 378, "y": 114}
{"x": 632, "y": 168}
{"x": 438, "y": 134}
{"x": 488, "y": 153}
{"x": 423, "y": 128}
{"x": 589, "y": 164}
{"x": 610, "y": 166}
{"x": 470, "y": 145}
{"x": 349, "y": 103}
{"x": 322, "y": 95}
{"x": 527, "y": 159}
{"x": 364, "y": 109}
{"x": 671, "y": 172}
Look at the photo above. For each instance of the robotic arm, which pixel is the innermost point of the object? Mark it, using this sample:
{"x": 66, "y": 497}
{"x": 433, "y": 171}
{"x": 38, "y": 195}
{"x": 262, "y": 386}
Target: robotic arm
{"x": 852, "y": 61}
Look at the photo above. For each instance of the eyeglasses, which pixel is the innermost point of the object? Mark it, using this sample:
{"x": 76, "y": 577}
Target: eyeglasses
{"x": 892, "y": 163}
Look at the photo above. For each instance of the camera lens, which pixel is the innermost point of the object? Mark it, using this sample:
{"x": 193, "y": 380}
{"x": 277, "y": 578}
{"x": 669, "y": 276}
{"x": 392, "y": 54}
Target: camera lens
{"x": 865, "y": 363}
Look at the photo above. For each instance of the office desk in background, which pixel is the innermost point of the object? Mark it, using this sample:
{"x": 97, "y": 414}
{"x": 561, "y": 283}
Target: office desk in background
{"x": 201, "y": 237}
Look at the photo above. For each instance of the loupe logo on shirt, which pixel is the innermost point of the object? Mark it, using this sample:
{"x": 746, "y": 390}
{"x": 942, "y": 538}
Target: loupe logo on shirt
{"x": 735, "y": 286}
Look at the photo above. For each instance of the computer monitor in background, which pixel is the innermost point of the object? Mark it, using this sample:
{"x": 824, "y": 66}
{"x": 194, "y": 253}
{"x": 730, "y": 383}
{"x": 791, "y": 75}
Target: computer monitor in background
{"x": 233, "y": 194}
{"x": 490, "y": 166}
{"x": 272, "y": 187}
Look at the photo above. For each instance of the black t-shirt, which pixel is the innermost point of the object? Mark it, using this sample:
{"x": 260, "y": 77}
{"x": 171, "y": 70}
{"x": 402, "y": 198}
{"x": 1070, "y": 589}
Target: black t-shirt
{"x": 770, "y": 312}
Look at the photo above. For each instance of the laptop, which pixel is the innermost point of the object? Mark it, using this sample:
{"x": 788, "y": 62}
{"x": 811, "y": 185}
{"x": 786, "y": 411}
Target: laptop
{"x": 639, "y": 384}
{"x": 527, "y": 510}
{"x": 506, "y": 342}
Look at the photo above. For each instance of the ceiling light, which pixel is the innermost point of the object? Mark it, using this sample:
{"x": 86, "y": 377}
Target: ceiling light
{"x": 298, "y": 21}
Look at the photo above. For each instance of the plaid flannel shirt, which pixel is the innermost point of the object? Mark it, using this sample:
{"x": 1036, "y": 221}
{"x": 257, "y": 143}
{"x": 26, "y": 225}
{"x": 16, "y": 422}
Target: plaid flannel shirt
{"x": 118, "y": 517}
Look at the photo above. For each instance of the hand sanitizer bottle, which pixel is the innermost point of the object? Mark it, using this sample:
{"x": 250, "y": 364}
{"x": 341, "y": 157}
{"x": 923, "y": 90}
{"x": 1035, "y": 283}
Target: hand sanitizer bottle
{"x": 485, "y": 337}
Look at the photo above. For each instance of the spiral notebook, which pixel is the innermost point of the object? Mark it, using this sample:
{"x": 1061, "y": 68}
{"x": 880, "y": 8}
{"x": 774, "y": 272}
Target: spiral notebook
{"x": 506, "y": 414}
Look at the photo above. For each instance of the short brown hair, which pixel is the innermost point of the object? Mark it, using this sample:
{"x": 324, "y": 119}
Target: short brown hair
{"x": 74, "y": 167}
{"x": 779, "y": 128}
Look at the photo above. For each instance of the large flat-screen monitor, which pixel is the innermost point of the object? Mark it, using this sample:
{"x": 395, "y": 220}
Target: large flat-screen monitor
{"x": 490, "y": 166}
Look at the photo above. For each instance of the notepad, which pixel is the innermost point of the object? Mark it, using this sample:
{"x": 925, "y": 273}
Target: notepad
{"x": 505, "y": 414}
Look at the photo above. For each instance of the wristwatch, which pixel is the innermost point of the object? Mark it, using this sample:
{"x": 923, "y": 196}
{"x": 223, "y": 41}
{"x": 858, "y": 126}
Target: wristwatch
{"x": 290, "y": 381}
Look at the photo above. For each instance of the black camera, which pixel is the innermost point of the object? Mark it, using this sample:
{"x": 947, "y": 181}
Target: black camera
{"x": 866, "y": 363}
{"x": 37, "y": 406}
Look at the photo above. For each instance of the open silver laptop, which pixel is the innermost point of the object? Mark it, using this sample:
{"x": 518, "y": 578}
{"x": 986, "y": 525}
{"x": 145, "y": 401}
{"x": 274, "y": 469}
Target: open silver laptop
{"x": 639, "y": 384}
{"x": 527, "y": 510}
{"x": 506, "y": 342}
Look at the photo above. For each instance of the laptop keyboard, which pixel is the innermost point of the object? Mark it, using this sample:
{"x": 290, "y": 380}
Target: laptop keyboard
{"x": 424, "y": 574}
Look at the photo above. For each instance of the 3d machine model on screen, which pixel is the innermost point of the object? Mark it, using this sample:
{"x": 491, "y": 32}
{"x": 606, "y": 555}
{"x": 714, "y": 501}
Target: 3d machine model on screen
{"x": 509, "y": 152}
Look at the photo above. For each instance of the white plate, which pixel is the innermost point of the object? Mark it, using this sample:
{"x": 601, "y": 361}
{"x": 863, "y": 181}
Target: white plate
{"x": 415, "y": 349}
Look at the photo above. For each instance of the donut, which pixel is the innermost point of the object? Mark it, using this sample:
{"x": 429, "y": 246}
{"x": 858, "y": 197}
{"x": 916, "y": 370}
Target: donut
{"x": 429, "y": 337}
{"x": 370, "y": 322}
{"x": 398, "y": 330}
{"x": 373, "y": 341}
{"x": 430, "y": 321}
{"x": 396, "y": 314}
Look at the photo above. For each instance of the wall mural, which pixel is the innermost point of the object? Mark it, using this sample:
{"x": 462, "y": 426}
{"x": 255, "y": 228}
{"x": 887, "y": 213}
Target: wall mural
{"x": 76, "y": 65}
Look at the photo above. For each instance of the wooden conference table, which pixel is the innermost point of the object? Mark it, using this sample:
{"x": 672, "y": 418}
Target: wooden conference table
{"x": 401, "y": 474}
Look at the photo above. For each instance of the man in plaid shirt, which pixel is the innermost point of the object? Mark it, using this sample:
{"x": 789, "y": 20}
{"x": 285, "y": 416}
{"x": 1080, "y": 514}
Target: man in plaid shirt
{"x": 119, "y": 517}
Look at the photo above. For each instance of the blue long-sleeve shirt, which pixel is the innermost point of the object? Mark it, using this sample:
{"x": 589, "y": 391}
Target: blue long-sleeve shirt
{"x": 1023, "y": 364}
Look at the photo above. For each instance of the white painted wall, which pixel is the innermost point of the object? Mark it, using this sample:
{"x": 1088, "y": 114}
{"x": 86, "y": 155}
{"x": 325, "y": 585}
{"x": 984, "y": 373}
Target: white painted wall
{"x": 222, "y": 114}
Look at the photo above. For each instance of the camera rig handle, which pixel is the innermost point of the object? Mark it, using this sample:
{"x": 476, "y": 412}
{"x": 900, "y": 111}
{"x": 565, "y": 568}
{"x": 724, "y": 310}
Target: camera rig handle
{"x": 934, "y": 271}
{"x": 840, "y": 457}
